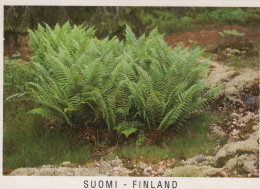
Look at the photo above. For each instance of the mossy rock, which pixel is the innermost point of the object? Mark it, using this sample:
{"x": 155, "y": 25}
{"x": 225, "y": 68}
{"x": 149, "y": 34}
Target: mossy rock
{"x": 193, "y": 171}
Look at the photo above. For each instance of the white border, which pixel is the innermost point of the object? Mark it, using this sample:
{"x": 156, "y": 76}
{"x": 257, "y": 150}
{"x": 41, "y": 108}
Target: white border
{"x": 7, "y": 182}
{"x": 190, "y": 3}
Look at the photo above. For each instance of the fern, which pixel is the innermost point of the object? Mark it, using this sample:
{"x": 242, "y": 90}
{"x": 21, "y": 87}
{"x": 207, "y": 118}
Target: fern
{"x": 128, "y": 86}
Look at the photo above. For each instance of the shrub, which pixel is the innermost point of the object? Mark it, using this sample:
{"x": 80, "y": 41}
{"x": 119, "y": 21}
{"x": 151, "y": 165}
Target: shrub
{"x": 16, "y": 73}
{"x": 128, "y": 86}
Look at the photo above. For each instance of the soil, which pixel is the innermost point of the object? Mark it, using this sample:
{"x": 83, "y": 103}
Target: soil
{"x": 210, "y": 37}
{"x": 17, "y": 43}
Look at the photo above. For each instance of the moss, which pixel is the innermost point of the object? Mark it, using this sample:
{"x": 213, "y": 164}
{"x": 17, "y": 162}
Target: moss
{"x": 201, "y": 160}
{"x": 221, "y": 162}
{"x": 242, "y": 164}
{"x": 236, "y": 84}
{"x": 249, "y": 117}
{"x": 192, "y": 171}
{"x": 249, "y": 145}
{"x": 255, "y": 127}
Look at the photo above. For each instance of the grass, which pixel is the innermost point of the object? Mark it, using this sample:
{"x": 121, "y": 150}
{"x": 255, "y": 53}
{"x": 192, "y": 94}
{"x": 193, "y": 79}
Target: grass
{"x": 243, "y": 61}
{"x": 237, "y": 61}
{"x": 249, "y": 60}
{"x": 28, "y": 144}
{"x": 185, "y": 144}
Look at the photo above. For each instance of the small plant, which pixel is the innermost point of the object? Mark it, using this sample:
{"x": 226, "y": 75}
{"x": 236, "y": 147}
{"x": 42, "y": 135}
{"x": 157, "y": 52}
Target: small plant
{"x": 233, "y": 45}
{"x": 128, "y": 86}
{"x": 233, "y": 32}
{"x": 15, "y": 55}
{"x": 140, "y": 139}
{"x": 233, "y": 52}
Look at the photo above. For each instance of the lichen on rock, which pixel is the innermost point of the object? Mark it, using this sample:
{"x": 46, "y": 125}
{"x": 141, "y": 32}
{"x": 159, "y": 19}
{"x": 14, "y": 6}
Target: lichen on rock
{"x": 237, "y": 83}
{"x": 246, "y": 162}
{"x": 249, "y": 145}
{"x": 192, "y": 171}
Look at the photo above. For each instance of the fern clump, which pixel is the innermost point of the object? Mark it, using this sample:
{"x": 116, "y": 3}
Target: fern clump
{"x": 128, "y": 86}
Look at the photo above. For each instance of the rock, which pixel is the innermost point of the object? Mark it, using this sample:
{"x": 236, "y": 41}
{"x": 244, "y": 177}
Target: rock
{"x": 255, "y": 173}
{"x": 235, "y": 132}
{"x": 47, "y": 166}
{"x": 236, "y": 83}
{"x": 142, "y": 165}
{"x": 19, "y": 172}
{"x": 245, "y": 162}
{"x": 249, "y": 145}
{"x": 64, "y": 171}
{"x": 105, "y": 166}
{"x": 217, "y": 148}
{"x": 255, "y": 127}
{"x": 195, "y": 160}
{"x": 119, "y": 171}
{"x": 86, "y": 172}
{"x": 249, "y": 117}
{"x": 66, "y": 164}
{"x": 47, "y": 171}
{"x": 251, "y": 102}
{"x": 200, "y": 160}
{"x": 69, "y": 169}
{"x": 33, "y": 171}
{"x": 192, "y": 171}
{"x": 78, "y": 171}
{"x": 217, "y": 130}
{"x": 117, "y": 162}
{"x": 255, "y": 87}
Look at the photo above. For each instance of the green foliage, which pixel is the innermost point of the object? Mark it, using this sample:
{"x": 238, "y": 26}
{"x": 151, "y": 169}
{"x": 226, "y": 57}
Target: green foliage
{"x": 27, "y": 143}
{"x": 233, "y": 32}
{"x": 184, "y": 19}
{"x": 167, "y": 21}
{"x": 130, "y": 85}
{"x": 230, "y": 43}
{"x": 232, "y": 16}
{"x": 234, "y": 48}
{"x": 181, "y": 145}
{"x": 111, "y": 20}
{"x": 140, "y": 139}
{"x": 241, "y": 58}
{"x": 16, "y": 73}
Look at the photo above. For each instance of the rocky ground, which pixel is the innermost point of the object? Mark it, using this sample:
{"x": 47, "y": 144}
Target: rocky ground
{"x": 237, "y": 152}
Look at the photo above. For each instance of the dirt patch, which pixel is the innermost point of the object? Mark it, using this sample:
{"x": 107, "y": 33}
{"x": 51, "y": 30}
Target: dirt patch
{"x": 210, "y": 37}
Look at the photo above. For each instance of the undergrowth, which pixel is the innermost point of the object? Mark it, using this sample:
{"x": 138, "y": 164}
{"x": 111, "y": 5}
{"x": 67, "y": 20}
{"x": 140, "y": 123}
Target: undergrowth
{"x": 194, "y": 139}
{"x": 129, "y": 86}
{"x": 27, "y": 143}
{"x": 75, "y": 82}
{"x": 249, "y": 60}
